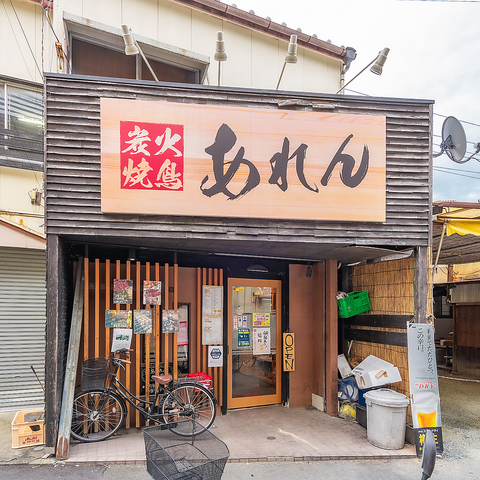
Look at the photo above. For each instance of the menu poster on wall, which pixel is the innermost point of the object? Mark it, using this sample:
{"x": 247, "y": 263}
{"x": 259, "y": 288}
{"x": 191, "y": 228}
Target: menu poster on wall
{"x": 261, "y": 341}
{"x": 170, "y": 321}
{"x": 182, "y": 337}
{"x": 123, "y": 291}
{"x": 422, "y": 366}
{"x": 118, "y": 318}
{"x": 212, "y": 315}
{"x": 142, "y": 321}
{"x": 152, "y": 292}
{"x": 122, "y": 338}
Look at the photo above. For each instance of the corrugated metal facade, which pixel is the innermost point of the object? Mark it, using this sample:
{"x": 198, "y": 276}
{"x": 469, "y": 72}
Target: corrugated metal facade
{"x": 22, "y": 327}
{"x": 73, "y": 173}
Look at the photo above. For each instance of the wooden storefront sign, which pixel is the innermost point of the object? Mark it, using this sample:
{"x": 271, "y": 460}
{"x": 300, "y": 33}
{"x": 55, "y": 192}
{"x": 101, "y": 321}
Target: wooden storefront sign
{"x": 171, "y": 158}
{"x": 288, "y": 352}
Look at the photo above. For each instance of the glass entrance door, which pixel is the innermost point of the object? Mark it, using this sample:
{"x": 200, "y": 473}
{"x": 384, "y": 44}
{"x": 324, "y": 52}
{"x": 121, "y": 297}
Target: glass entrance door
{"x": 254, "y": 338}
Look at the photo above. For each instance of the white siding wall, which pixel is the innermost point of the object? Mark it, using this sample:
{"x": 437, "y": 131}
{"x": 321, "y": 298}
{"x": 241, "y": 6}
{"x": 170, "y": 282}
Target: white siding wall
{"x": 255, "y": 60}
{"x": 23, "y": 35}
{"x": 15, "y": 185}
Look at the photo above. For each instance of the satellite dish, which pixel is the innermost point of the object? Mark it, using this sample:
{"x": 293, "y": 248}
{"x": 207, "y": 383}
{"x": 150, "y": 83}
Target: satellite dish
{"x": 454, "y": 140}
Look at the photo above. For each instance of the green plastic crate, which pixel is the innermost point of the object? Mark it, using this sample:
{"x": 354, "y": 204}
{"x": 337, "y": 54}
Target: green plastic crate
{"x": 353, "y": 304}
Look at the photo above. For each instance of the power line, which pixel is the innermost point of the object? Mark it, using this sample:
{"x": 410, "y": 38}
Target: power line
{"x": 455, "y": 173}
{"x": 16, "y": 40}
{"x": 26, "y": 39}
{"x": 458, "y": 170}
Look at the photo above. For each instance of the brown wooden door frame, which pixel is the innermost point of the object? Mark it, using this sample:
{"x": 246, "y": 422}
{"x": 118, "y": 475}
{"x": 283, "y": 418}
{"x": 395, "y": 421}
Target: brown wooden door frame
{"x": 262, "y": 399}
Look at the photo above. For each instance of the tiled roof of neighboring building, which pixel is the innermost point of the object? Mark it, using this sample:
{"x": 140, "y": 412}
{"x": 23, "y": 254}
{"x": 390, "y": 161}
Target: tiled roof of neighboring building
{"x": 236, "y": 15}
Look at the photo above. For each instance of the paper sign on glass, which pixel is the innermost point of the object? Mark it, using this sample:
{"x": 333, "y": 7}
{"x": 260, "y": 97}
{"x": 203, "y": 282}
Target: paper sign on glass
{"x": 261, "y": 341}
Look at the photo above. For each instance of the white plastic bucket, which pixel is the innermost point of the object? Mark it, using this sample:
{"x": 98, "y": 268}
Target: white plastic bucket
{"x": 386, "y": 418}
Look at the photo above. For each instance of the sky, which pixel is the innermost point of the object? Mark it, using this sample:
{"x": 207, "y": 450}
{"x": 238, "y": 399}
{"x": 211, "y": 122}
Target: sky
{"x": 434, "y": 52}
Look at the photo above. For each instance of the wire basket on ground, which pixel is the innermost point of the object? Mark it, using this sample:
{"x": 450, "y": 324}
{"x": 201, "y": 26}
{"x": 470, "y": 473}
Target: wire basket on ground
{"x": 94, "y": 373}
{"x": 184, "y": 451}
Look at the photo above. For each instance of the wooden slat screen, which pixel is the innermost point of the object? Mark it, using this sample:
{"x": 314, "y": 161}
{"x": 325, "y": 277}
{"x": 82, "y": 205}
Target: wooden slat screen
{"x": 149, "y": 350}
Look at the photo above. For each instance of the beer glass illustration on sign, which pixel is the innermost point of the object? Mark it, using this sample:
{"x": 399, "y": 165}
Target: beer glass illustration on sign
{"x": 426, "y": 404}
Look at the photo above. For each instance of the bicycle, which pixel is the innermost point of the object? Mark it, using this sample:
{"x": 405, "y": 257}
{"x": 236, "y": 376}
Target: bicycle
{"x": 99, "y": 413}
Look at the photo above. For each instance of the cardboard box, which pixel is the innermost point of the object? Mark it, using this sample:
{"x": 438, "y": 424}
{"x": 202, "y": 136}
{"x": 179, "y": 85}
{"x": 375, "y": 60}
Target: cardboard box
{"x": 378, "y": 378}
{"x": 28, "y": 429}
{"x": 375, "y": 372}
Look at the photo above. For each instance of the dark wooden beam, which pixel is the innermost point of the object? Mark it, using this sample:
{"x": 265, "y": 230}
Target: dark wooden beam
{"x": 420, "y": 284}
{"x": 398, "y": 339}
{"x": 56, "y": 335}
{"x": 331, "y": 340}
{"x": 379, "y": 321}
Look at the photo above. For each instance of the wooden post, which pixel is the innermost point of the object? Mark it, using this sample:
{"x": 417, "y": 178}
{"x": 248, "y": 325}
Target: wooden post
{"x": 107, "y": 304}
{"x": 138, "y": 345}
{"x": 71, "y": 370}
{"x": 421, "y": 284}
{"x": 86, "y": 307}
{"x": 97, "y": 307}
{"x": 331, "y": 340}
{"x": 165, "y": 335}
{"x": 175, "y": 306}
{"x": 158, "y": 322}
{"x": 198, "y": 319}
{"x": 127, "y": 367}
{"x": 147, "y": 346}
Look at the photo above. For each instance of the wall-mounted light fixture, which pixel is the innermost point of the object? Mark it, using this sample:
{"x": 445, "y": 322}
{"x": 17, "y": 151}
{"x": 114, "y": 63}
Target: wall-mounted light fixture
{"x": 35, "y": 196}
{"x": 220, "y": 54}
{"x": 133, "y": 48}
{"x": 309, "y": 270}
{"x": 291, "y": 56}
{"x": 377, "y": 66}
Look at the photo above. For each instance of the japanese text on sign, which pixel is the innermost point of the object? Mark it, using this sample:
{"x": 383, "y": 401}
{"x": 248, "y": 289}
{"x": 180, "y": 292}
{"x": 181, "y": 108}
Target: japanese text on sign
{"x": 186, "y": 159}
{"x": 151, "y": 156}
{"x": 288, "y": 352}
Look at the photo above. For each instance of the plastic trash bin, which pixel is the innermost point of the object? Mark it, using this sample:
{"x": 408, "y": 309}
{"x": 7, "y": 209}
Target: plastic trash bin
{"x": 386, "y": 418}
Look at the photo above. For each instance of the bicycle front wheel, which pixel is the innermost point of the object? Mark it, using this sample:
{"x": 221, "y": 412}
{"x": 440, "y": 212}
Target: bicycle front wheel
{"x": 189, "y": 400}
{"x": 96, "y": 416}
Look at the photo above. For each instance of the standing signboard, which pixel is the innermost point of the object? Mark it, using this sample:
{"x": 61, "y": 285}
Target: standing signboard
{"x": 422, "y": 367}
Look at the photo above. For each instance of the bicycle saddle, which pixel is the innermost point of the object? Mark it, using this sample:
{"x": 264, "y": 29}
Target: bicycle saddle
{"x": 162, "y": 379}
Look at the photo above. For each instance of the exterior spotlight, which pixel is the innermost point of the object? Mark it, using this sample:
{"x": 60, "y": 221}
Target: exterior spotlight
{"x": 220, "y": 54}
{"x": 130, "y": 47}
{"x": 291, "y": 55}
{"x": 133, "y": 48}
{"x": 377, "y": 66}
{"x": 292, "y": 50}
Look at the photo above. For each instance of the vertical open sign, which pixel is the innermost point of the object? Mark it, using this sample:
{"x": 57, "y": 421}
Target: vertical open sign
{"x": 288, "y": 352}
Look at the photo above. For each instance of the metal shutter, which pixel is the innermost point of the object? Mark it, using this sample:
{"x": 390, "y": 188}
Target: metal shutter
{"x": 22, "y": 327}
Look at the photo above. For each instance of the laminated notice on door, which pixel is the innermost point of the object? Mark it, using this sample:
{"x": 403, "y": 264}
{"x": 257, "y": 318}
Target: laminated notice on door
{"x": 261, "y": 341}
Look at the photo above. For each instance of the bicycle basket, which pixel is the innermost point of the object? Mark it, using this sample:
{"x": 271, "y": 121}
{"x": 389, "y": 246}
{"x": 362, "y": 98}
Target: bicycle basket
{"x": 94, "y": 373}
{"x": 184, "y": 450}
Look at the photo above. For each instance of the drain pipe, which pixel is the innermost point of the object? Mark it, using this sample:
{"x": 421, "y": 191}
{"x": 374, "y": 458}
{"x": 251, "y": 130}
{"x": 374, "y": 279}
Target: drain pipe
{"x": 324, "y": 337}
